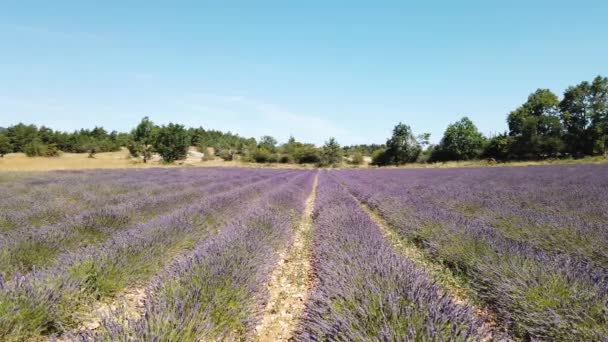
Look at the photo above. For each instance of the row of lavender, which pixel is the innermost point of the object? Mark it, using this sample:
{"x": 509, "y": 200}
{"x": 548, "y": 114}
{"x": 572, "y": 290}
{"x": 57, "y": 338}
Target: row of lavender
{"x": 365, "y": 291}
{"x": 28, "y": 246}
{"x": 57, "y": 297}
{"x": 530, "y": 242}
{"x": 217, "y": 291}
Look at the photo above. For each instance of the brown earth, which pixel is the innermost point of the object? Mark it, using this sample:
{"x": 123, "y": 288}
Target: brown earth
{"x": 290, "y": 282}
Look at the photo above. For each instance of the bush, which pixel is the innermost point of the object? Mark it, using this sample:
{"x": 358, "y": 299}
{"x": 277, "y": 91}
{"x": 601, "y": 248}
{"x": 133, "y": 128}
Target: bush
{"x": 331, "y": 153}
{"x": 5, "y": 145}
{"x": 499, "y": 147}
{"x": 135, "y": 148}
{"x": 38, "y": 149}
{"x": 52, "y": 151}
{"x": 273, "y": 158}
{"x": 286, "y": 159}
{"x": 261, "y": 155}
{"x": 379, "y": 157}
{"x": 307, "y": 155}
{"x": 356, "y": 159}
{"x": 402, "y": 147}
{"x": 171, "y": 142}
{"x": 226, "y": 155}
{"x": 461, "y": 141}
{"x": 427, "y": 155}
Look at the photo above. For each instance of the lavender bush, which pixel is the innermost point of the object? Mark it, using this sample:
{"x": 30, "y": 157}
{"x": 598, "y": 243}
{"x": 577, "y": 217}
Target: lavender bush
{"x": 55, "y": 300}
{"x": 364, "y": 290}
{"x": 217, "y": 291}
{"x": 530, "y": 241}
{"x": 529, "y": 244}
{"x": 23, "y": 249}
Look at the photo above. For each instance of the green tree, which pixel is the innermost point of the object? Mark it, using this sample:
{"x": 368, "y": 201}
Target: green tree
{"x": 21, "y": 135}
{"x": 290, "y": 146}
{"x": 295, "y": 151}
{"x": 379, "y": 157}
{"x": 38, "y": 149}
{"x": 306, "y": 154}
{"x": 5, "y": 145}
{"x": 331, "y": 152}
{"x": 402, "y": 147}
{"x": 268, "y": 143}
{"x": 498, "y": 147}
{"x": 46, "y": 135}
{"x": 599, "y": 91}
{"x": 365, "y": 149}
{"x": 262, "y": 155}
{"x": 461, "y": 141}
{"x": 171, "y": 142}
{"x": 536, "y": 127}
{"x": 356, "y": 158}
{"x": 35, "y": 148}
{"x": 584, "y": 113}
{"x": 142, "y": 139}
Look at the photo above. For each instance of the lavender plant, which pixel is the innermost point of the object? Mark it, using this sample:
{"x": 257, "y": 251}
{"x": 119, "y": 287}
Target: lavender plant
{"x": 55, "y": 300}
{"x": 531, "y": 242}
{"x": 23, "y": 249}
{"x": 217, "y": 291}
{"x": 365, "y": 291}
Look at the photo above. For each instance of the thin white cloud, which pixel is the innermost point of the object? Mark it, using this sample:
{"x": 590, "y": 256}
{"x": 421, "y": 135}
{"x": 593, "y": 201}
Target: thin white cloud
{"x": 253, "y": 117}
{"x": 234, "y": 113}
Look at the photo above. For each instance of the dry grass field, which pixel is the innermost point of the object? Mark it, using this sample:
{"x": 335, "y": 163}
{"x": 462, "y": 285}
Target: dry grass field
{"x": 113, "y": 160}
{"x": 121, "y": 160}
{"x": 69, "y": 161}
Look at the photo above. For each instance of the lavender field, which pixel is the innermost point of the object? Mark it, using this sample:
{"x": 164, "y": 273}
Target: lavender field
{"x": 189, "y": 254}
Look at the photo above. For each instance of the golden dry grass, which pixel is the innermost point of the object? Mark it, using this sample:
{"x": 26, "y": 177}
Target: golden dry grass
{"x": 113, "y": 160}
{"x": 69, "y": 161}
{"x": 119, "y": 160}
{"x": 477, "y": 163}
{"x": 485, "y": 163}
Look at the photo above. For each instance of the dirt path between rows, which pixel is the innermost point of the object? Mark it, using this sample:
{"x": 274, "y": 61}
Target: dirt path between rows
{"x": 290, "y": 282}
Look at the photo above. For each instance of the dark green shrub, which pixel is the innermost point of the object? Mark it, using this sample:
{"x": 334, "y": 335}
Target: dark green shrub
{"x": 261, "y": 155}
{"x": 171, "y": 142}
{"x": 379, "y": 157}
{"x": 5, "y": 145}
{"x": 226, "y": 155}
{"x": 307, "y": 155}
{"x": 356, "y": 159}
{"x": 286, "y": 159}
{"x": 38, "y": 149}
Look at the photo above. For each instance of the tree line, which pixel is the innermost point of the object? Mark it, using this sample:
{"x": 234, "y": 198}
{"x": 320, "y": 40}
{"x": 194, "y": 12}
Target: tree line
{"x": 542, "y": 127}
{"x": 171, "y": 142}
{"x": 44, "y": 141}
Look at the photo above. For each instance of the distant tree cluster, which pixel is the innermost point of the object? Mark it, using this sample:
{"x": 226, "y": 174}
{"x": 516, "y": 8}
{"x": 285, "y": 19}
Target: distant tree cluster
{"x": 543, "y": 127}
{"x": 401, "y": 148}
{"x": 269, "y": 151}
{"x": 170, "y": 141}
{"x": 461, "y": 141}
{"x": 43, "y": 141}
{"x": 227, "y": 146}
{"x": 364, "y": 149}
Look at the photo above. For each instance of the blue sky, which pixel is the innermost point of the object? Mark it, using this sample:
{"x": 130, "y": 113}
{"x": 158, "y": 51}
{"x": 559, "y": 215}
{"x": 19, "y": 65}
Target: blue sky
{"x": 314, "y": 69}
